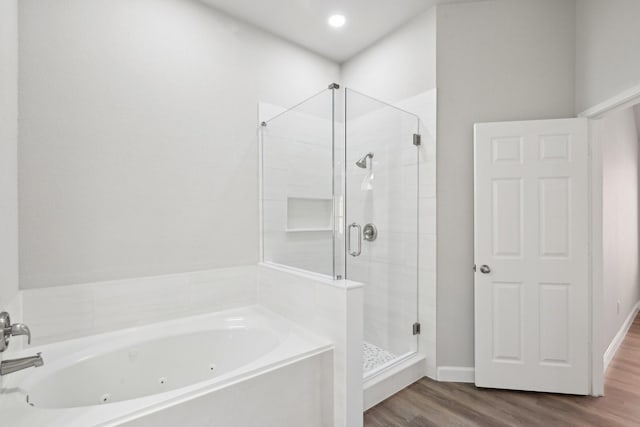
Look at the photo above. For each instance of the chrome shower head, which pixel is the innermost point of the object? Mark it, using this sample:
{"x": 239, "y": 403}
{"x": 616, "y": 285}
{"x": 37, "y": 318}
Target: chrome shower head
{"x": 362, "y": 163}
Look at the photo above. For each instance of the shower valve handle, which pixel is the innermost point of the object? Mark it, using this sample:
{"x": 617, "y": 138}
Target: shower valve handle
{"x": 7, "y": 330}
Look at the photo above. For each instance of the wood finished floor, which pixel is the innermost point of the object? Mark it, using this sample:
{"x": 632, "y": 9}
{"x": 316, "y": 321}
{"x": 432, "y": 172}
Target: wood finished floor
{"x": 430, "y": 403}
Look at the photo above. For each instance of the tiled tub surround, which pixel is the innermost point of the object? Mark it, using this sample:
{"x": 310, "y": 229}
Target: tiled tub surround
{"x": 66, "y": 312}
{"x": 327, "y": 308}
{"x": 148, "y": 375}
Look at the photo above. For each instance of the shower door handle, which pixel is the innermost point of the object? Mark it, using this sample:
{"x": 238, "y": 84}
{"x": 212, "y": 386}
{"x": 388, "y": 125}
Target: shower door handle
{"x": 351, "y": 251}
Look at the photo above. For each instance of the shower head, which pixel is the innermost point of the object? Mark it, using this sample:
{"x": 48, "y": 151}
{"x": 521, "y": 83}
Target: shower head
{"x": 362, "y": 163}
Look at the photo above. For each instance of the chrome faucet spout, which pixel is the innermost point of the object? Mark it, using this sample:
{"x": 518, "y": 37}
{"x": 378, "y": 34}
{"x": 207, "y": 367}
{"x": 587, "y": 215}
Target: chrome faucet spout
{"x": 14, "y": 365}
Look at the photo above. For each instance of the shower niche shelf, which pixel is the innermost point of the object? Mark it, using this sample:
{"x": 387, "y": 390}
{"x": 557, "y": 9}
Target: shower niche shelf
{"x": 306, "y": 230}
{"x": 309, "y": 214}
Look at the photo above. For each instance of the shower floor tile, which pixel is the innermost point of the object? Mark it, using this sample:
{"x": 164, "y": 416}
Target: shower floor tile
{"x": 374, "y": 357}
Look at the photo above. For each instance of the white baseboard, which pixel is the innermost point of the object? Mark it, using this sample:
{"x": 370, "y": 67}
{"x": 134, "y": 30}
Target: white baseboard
{"x": 431, "y": 372}
{"x": 617, "y": 340}
{"x": 456, "y": 374}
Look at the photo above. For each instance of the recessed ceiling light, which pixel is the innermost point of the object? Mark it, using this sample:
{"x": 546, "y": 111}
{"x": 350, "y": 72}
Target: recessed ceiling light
{"x": 337, "y": 21}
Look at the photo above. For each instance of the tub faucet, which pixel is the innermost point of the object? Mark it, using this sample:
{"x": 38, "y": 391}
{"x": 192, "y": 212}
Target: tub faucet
{"x": 14, "y": 365}
{"x": 21, "y": 329}
{"x": 7, "y": 330}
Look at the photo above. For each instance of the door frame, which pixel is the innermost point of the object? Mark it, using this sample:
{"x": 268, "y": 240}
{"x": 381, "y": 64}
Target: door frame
{"x": 620, "y": 101}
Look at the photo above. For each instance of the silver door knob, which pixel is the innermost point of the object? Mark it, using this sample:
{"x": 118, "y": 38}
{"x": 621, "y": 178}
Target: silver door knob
{"x": 485, "y": 269}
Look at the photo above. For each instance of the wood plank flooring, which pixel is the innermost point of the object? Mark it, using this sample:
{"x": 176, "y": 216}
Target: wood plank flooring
{"x": 430, "y": 403}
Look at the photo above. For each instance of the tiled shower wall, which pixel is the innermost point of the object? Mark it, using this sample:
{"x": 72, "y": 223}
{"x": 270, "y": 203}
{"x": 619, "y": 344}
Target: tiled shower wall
{"x": 297, "y": 163}
{"x": 297, "y": 180}
{"x": 390, "y": 265}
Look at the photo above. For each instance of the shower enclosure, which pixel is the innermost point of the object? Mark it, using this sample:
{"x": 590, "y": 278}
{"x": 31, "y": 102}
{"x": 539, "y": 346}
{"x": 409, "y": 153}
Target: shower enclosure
{"x": 340, "y": 197}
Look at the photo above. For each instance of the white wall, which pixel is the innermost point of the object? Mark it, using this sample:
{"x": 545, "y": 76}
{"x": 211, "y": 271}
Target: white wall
{"x": 400, "y": 65}
{"x": 607, "y": 46}
{"x": 8, "y": 151}
{"x": 618, "y": 137}
{"x": 138, "y": 151}
{"x": 496, "y": 60}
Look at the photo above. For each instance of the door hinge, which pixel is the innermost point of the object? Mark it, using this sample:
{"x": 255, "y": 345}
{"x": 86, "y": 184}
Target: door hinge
{"x": 416, "y": 328}
{"x": 417, "y": 139}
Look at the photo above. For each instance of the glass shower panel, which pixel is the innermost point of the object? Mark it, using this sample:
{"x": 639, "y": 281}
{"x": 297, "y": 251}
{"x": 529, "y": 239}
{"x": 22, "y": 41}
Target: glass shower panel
{"x": 297, "y": 186}
{"x": 381, "y": 216}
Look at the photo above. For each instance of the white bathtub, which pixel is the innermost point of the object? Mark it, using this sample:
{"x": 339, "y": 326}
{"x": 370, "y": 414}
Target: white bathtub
{"x": 124, "y": 376}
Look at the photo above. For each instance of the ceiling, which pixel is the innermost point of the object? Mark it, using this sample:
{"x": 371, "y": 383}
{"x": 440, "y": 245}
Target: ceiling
{"x": 304, "y": 22}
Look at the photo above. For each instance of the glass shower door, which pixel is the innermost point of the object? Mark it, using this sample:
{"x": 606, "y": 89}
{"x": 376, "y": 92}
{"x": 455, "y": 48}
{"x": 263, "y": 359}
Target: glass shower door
{"x": 381, "y": 224}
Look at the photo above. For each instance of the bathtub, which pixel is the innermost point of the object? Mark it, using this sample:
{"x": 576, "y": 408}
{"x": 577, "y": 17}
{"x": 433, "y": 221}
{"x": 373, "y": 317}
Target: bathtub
{"x": 211, "y": 369}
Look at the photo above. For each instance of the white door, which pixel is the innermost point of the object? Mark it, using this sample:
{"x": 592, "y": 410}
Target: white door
{"x": 531, "y": 253}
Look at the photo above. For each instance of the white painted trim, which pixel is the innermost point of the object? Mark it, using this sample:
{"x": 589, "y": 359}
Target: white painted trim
{"x": 622, "y": 100}
{"x": 601, "y": 355}
{"x": 393, "y": 380}
{"x": 431, "y": 372}
{"x": 596, "y": 258}
{"x": 456, "y": 374}
{"x": 600, "y": 361}
{"x": 617, "y": 340}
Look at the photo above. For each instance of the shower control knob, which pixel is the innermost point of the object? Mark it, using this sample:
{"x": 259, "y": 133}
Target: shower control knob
{"x": 485, "y": 269}
{"x": 370, "y": 232}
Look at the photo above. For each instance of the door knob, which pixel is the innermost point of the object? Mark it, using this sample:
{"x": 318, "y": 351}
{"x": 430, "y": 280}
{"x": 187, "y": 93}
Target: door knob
{"x": 485, "y": 269}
